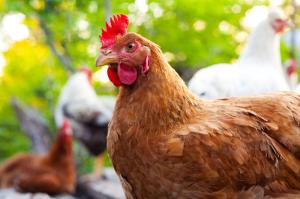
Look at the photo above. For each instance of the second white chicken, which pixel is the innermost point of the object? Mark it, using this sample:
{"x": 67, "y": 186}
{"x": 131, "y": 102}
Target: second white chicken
{"x": 257, "y": 71}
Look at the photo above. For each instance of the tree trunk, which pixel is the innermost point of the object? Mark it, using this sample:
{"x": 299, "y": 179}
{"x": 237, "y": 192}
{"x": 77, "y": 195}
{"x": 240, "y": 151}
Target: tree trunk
{"x": 85, "y": 191}
{"x": 34, "y": 126}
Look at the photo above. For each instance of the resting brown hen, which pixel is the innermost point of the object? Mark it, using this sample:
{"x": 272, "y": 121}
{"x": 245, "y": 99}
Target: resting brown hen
{"x": 166, "y": 143}
{"x": 53, "y": 173}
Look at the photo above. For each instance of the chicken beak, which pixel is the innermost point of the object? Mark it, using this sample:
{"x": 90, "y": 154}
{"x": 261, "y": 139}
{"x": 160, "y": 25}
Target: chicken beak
{"x": 106, "y": 59}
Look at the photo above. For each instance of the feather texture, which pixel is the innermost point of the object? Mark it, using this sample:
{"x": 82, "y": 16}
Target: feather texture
{"x": 166, "y": 143}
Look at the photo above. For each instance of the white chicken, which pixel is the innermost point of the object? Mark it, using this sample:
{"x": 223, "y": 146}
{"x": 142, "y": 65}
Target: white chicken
{"x": 88, "y": 113}
{"x": 257, "y": 71}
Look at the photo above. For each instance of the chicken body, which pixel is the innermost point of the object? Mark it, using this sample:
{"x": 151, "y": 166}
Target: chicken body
{"x": 166, "y": 143}
{"x": 88, "y": 113}
{"x": 224, "y": 148}
{"x": 257, "y": 71}
{"x": 53, "y": 173}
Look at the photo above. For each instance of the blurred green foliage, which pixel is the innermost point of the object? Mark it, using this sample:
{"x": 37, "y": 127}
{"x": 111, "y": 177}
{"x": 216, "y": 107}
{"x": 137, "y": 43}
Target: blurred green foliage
{"x": 189, "y": 30}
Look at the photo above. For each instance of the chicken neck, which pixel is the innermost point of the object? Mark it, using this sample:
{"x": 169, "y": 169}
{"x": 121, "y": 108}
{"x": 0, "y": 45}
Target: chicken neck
{"x": 262, "y": 48}
{"x": 159, "y": 100}
{"x": 60, "y": 152}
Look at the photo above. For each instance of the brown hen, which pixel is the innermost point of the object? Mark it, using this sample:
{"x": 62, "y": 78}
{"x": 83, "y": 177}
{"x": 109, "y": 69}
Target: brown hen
{"x": 167, "y": 144}
{"x": 53, "y": 173}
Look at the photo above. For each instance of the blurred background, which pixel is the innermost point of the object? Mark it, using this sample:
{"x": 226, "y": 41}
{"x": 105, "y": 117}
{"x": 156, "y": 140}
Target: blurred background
{"x": 43, "y": 41}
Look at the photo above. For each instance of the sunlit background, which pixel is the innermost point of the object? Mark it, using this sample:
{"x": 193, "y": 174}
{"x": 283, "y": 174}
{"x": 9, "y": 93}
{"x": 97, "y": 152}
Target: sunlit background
{"x": 42, "y": 42}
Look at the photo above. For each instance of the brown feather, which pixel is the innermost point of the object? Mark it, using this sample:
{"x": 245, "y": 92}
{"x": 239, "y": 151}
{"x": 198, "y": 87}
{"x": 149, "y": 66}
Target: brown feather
{"x": 165, "y": 143}
{"x": 52, "y": 173}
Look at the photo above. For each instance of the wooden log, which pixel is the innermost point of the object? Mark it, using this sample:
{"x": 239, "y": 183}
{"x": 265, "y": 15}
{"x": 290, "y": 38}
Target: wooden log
{"x": 34, "y": 126}
{"x": 85, "y": 191}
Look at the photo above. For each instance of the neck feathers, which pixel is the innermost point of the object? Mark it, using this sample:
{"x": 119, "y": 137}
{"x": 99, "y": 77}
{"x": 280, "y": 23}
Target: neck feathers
{"x": 159, "y": 100}
{"x": 262, "y": 47}
{"x": 61, "y": 150}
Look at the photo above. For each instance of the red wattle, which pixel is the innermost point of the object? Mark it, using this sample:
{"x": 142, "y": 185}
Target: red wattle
{"x": 127, "y": 74}
{"x": 113, "y": 77}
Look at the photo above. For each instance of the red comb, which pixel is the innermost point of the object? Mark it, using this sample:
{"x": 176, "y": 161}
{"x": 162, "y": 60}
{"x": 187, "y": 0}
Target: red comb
{"x": 66, "y": 124}
{"x": 65, "y": 133}
{"x": 118, "y": 26}
{"x": 291, "y": 67}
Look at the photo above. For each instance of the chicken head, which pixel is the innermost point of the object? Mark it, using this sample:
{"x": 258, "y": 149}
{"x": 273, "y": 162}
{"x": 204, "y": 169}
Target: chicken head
{"x": 278, "y": 20}
{"x": 124, "y": 52}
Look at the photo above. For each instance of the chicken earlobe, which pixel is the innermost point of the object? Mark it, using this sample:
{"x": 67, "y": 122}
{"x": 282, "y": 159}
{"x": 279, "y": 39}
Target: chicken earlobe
{"x": 145, "y": 66}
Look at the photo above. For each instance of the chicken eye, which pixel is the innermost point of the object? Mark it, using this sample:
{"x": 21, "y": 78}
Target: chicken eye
{"x": 131, "y": 47}
{"x": 202, "y": 94}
